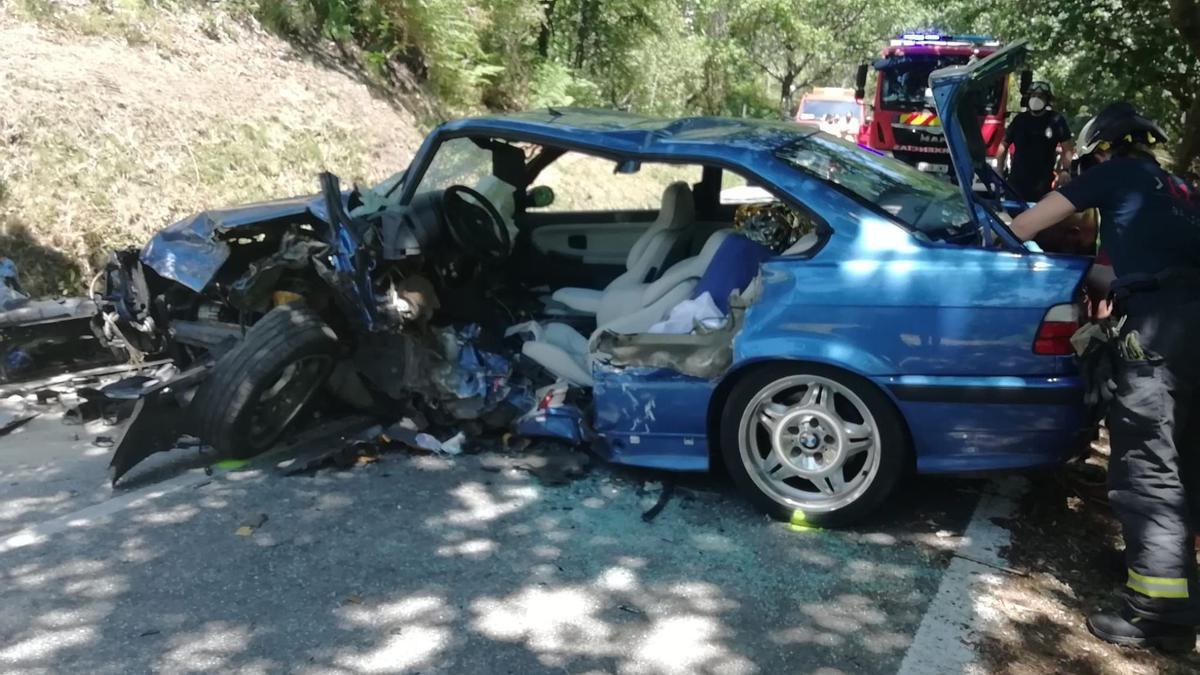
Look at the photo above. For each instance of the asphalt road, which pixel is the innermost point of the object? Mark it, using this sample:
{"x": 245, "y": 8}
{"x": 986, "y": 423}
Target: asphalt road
{"x": 436, "y": 565}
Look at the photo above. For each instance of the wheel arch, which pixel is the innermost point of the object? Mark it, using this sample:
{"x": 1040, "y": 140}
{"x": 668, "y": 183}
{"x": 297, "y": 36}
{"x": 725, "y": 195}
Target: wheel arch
{"x": 716, "y": 403}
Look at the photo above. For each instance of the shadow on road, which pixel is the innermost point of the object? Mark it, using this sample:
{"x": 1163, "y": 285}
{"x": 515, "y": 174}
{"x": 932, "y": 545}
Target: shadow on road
{"x": 421, "y": 564}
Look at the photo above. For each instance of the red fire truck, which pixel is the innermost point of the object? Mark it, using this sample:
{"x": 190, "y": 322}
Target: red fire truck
{"x": 901, "y": 121}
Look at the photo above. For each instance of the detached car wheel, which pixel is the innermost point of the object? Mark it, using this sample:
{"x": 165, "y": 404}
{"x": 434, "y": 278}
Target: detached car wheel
{"x": 813, "y": 444}
{"x": 259, "y": 387}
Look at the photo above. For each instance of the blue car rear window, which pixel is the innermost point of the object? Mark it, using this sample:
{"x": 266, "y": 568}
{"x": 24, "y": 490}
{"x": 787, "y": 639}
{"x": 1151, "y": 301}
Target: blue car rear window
{"x": 916, "y": 199}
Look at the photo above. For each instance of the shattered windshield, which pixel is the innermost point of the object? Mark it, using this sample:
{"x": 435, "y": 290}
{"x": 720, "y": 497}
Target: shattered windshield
{"x": 388, "y": 185}
{"x": 924, "y": 203}
{"x": 905, "y": 82}
{"x": 459, "y": 161}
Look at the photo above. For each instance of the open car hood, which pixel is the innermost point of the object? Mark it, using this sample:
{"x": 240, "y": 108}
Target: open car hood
{"x": 956, "y": 91}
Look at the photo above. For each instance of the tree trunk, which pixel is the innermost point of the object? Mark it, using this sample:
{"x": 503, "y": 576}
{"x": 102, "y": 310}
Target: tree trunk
{"x": 1187, "y": 155}
{"x": 1185, "y": 16}
{"x": 584, "y": 31}
{"x": 546, "y": 29}
{"x": 785, "y": 95}
{"x": 786, "y": 87}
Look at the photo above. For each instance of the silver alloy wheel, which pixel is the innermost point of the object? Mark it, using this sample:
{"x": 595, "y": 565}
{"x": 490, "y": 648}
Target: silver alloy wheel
{"x": 809, "y": 443}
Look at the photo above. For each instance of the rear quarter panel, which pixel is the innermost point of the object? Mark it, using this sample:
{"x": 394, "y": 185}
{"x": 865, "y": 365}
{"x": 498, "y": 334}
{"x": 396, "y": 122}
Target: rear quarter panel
{"x": 956, "y": 321}
{"x": 879, "y": 302}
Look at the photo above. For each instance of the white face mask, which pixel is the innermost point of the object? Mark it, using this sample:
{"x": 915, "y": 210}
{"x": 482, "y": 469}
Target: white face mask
{"x": 1037, "y": 104}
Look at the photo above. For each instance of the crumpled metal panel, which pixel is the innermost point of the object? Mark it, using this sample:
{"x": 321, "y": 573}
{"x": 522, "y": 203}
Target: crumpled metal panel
{"x": 652, "y": 417}
{"x": 703, "y": 355}
{"x": 565, "y": 423}
{"x": 191, "y": 251}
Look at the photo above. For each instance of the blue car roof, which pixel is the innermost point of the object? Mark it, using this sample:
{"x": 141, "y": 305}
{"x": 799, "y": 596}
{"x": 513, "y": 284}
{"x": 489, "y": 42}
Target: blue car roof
{"x": 628, "y": 132}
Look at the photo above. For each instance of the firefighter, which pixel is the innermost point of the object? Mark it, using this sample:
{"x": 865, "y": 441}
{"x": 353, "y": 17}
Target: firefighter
{"x": 1035, "y": 135}
{"x": 1150, "y": 232}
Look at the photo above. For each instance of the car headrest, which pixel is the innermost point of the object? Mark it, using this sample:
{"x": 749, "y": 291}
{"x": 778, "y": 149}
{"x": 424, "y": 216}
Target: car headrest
{"x": 678, "y": 206}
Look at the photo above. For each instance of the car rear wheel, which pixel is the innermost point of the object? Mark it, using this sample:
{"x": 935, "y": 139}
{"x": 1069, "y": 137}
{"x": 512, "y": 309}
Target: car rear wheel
{"x": 259, "y": 387}
{"x": 812, "y": 444}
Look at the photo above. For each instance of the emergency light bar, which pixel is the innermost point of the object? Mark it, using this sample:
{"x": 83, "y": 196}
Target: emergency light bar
{"x": 906, "y": 39}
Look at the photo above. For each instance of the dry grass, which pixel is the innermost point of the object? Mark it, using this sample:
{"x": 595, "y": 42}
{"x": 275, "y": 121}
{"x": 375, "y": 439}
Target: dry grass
{"x": 116, "y": 119}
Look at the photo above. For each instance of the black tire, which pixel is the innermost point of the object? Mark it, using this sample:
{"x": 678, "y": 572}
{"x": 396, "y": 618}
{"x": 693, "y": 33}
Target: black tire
{"x": 892, "y": 444}
{"x": 232, "y": 407}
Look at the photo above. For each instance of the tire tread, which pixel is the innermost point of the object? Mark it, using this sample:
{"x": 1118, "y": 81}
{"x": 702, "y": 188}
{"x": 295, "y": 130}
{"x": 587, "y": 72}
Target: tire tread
{"x": 282, "y": 334}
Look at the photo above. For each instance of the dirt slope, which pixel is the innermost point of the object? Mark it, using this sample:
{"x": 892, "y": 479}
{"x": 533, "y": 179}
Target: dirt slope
{"x": 111, "y": 126}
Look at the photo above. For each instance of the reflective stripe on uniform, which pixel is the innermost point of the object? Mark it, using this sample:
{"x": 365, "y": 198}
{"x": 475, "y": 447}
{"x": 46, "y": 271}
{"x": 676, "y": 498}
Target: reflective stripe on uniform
{"x": 1158, "y": 587}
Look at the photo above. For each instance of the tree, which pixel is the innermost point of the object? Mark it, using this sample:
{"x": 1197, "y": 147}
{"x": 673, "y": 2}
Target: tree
{"x": 800, "y": 43}
{"x": 1101, "y": 51}
{"x": 1185, "y": 15}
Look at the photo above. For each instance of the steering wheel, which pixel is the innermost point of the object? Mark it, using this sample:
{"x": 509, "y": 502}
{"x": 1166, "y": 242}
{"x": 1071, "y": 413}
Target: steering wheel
{"x": 474, "y": 223}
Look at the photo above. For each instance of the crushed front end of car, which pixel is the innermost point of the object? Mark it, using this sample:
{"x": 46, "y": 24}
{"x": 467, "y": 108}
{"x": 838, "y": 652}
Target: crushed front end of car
{"x": 274, "y": 309}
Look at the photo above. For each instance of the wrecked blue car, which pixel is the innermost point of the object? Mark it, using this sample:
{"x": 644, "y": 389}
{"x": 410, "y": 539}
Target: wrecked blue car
{"x": 679, "y": 294}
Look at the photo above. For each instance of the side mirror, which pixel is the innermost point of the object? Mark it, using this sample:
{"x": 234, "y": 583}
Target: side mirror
{"x": 1026, "y": 81}
{"x": 541, "y": 196}
{"x": 860, "y": 82}
{"x": 627, "y": 166}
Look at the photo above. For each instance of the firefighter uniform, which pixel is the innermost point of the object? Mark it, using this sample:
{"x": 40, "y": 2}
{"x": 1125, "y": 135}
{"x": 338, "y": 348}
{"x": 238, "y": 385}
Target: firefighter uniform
{"x": 1150, "y": 228}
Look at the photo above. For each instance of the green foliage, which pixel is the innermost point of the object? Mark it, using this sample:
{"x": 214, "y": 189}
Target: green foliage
{"x": 728, "y": 57}
{"x": 725, "y": 57}
{"x": 555, "y": 84}
{"x": 1097, "y": 52}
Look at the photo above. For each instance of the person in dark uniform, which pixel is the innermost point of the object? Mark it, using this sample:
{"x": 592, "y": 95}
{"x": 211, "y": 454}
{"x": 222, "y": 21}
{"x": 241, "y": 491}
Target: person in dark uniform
{"x": 1035, "y": 135}
{"x": 1150, "y": 232}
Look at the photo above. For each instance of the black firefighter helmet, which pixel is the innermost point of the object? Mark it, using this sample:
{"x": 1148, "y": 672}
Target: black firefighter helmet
{"x": 1118, "y": 124}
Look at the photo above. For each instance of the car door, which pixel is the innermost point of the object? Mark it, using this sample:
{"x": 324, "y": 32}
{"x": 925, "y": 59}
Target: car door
{"x": 597, "y": 239}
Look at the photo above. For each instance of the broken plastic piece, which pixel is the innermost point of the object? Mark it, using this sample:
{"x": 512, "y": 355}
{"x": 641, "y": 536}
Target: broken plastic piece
{"x": 251, "y": 524}
{"x": 553, "y": 417}
{"x": 413, "y": 439}
{"x": 455, "y": 444}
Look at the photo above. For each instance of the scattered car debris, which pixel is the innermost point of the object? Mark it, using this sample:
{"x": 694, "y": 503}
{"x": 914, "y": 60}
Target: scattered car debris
{"x": 41, "y": 336}
{"x": 11, "y": 295}
{"x": 327, "y": 444}
{"x": 14, "y": 414}
{"x": 103, "y": 441}
{"x": 455, "y": 444}
{"x": 248, "y": 526}
{"x": 156, "y": 422}
{"x": 552, "y": 463}
{"x": 412, "y": 438}
{"x": 113, "y": 402}
{"x": 664, "y": 495}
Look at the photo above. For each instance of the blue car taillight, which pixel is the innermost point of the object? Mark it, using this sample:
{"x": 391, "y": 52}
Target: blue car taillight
{"x": 1054, "y": 334}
